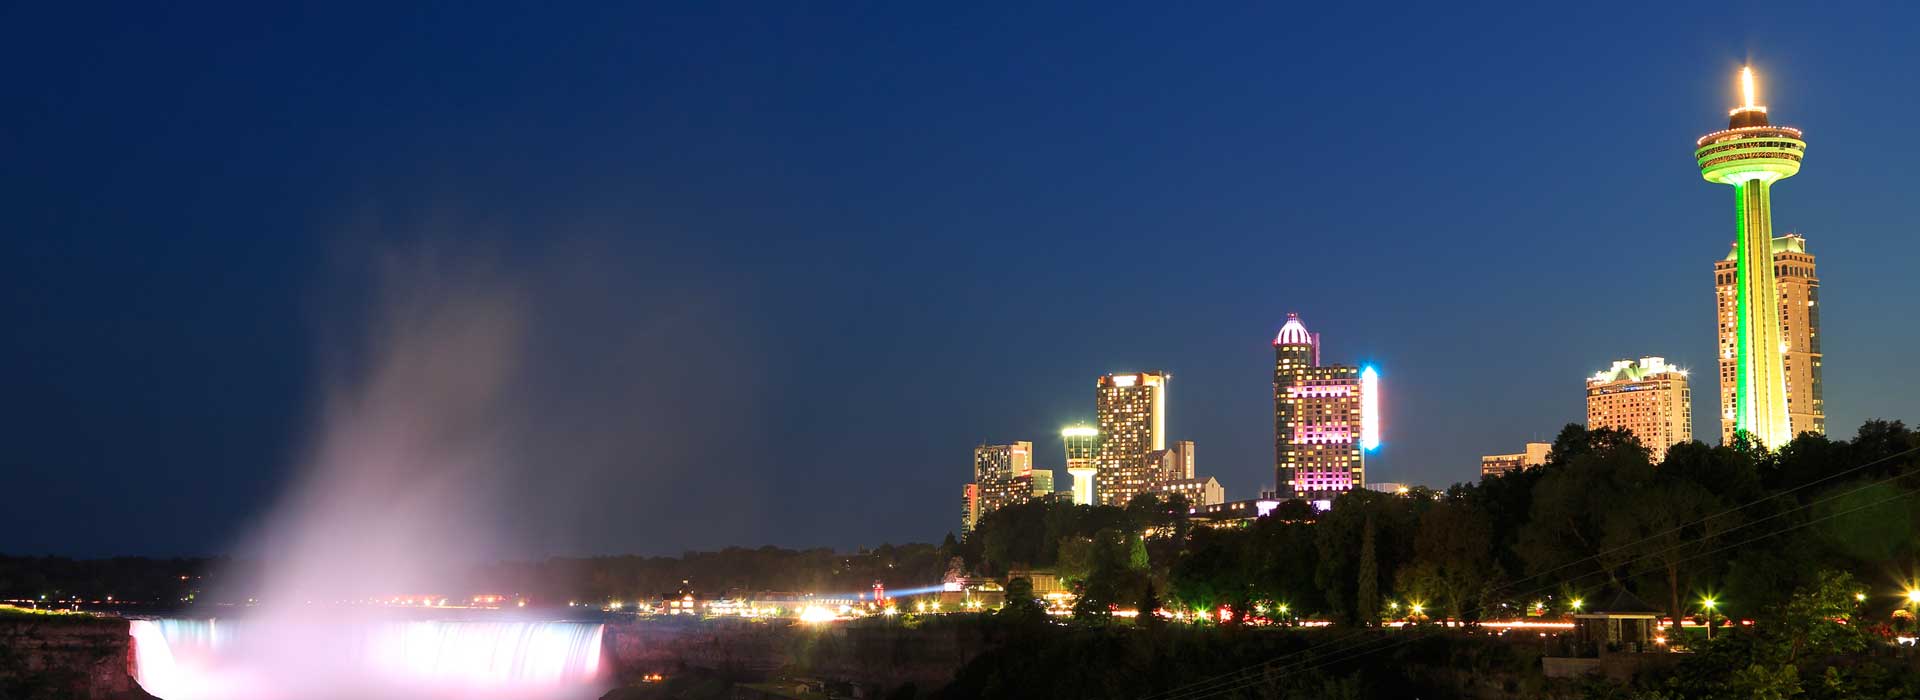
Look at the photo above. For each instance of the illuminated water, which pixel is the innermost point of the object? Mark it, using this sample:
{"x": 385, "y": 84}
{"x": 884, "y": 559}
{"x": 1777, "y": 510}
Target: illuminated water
{"x": 330, "y": 658}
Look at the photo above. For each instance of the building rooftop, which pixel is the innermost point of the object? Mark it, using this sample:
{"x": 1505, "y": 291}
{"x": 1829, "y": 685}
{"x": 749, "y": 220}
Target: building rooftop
{"x": 1293, "y": 333}
{"x": 1621, "y": 602}
{"x": 1790, "y": 243}
{"x": 1629, "y": 370}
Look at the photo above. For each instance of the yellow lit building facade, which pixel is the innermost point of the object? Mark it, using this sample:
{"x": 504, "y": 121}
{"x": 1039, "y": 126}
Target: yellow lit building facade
{"x": 1798, "y": 291}
{"x": 1131, "y": 416}
{"x": 1198, "y": 492}
{"x": 1648, "y": 398}
{"x": 1172, "y": 464}
{"x": 1002, "y": 476}
{"x": 1534, "y": 456}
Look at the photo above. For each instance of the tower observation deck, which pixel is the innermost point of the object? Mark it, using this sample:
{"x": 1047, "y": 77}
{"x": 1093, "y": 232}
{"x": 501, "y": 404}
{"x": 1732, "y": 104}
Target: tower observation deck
{"x": 1751, "y": 154}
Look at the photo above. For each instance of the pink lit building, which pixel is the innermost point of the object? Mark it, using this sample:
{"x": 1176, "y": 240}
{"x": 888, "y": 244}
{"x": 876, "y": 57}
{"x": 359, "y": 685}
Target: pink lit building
{"x": 1320, "y": 431}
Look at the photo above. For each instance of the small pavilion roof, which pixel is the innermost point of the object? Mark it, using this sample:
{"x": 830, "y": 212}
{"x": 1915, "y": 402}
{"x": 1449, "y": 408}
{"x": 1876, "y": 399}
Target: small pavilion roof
{"x": 1622, "y": 603}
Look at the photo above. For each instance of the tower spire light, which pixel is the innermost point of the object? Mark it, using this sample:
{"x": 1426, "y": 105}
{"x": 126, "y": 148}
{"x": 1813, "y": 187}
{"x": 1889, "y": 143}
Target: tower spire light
{"x": 1750, "y": 112}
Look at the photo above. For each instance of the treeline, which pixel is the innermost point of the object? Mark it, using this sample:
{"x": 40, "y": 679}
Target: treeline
{"x": 552, "y": 581}
{"x": 134, "y": 579}
{"x": 1741, "y": 524}
{"x": 600, "y": 579}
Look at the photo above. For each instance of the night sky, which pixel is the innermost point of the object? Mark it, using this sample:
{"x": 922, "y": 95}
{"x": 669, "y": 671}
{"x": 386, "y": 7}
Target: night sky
{"x": 791, "y": 262}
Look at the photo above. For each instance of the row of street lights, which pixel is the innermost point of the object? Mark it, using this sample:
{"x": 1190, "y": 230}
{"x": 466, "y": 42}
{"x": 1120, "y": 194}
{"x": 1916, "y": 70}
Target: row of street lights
{"x": 1711, "y": 606}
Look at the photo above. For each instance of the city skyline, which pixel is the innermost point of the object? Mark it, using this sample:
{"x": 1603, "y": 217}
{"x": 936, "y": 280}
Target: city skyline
{"x": 756, "y": 253}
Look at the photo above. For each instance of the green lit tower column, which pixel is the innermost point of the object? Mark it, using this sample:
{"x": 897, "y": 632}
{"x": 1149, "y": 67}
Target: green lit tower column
{"x": 1752, "y": 154}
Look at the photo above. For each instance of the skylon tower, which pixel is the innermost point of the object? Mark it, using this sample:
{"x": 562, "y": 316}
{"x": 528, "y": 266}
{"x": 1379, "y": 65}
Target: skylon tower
{"x": 1751, "y": 155}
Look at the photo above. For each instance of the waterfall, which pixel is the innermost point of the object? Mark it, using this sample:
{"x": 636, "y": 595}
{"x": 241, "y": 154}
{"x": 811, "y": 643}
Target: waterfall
{"x": 323, "y": 658}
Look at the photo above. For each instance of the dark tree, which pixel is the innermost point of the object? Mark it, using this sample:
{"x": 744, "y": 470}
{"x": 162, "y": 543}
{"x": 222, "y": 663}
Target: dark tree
{"x": 1453, "y": 566}
{"x": 1096, "y": 597}
{"x": 1600, "y": 471}
{"x": 1367, "y": 594}
{"x": 1022, "y": 607}
{"x": 1149, "y": 609}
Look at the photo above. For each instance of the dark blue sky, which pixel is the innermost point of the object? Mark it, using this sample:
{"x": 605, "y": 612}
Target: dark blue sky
{"x": 846, "y": 242}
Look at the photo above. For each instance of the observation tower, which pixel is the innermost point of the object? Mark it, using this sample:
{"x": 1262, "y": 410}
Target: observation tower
{"x": 1751, "y": 154}
{"x": 1082, "y": 446}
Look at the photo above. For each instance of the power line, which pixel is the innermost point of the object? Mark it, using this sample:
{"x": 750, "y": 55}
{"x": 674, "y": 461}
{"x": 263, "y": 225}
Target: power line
{"x": 1729, "y": 511}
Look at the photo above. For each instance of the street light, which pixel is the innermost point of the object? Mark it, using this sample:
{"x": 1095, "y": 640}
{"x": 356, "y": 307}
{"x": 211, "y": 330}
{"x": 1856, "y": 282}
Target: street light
{"x": 1577, "y": 603}
{"x": 1708, "y": 604}
{"x": 1913, "y": 595}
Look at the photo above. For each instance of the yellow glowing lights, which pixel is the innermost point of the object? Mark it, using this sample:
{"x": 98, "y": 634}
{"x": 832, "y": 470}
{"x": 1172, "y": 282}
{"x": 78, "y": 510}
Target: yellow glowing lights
{"x": 1079, "y": 431}
{"x": 1749, "y": 94}
{"x": 1913, "y": 595}
{"x": 1577, "y": 603}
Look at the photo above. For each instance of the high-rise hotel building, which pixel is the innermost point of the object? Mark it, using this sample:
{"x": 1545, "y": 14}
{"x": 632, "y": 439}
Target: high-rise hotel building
{"x": 1131, "y": 416}
{"x": 1798, "y": 289}
{"x": 1648, "y": 398}
{"x": 1320, "y": 431}
{"x": 1002, "y": 476}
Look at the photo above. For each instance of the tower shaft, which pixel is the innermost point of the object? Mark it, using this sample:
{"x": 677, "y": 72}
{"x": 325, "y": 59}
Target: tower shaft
{"x": 1751, "y": 154}
{"x": 1760, "y": 399}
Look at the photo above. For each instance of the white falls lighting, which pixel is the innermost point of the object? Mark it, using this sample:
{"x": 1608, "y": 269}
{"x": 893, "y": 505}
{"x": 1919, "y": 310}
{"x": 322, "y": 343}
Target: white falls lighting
{"x": 215, "y": 660}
